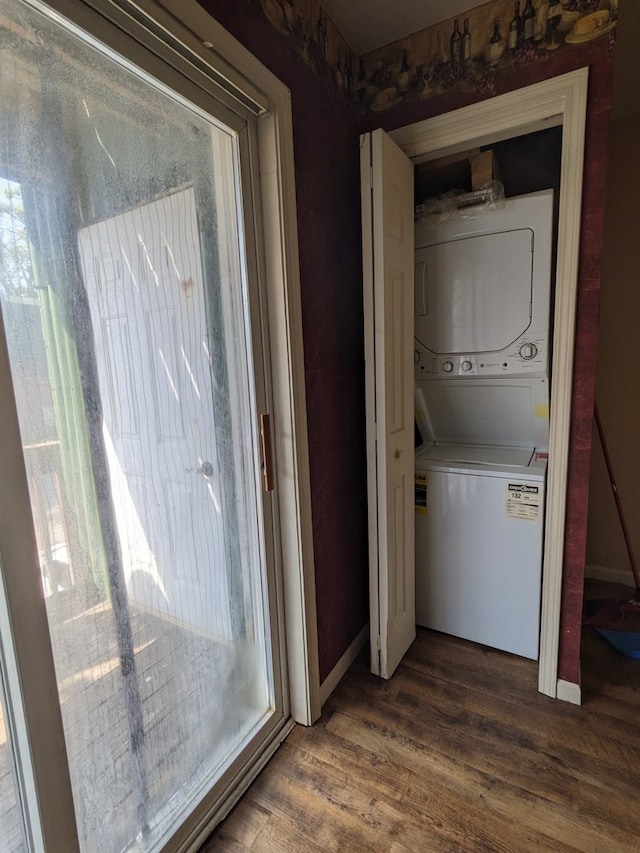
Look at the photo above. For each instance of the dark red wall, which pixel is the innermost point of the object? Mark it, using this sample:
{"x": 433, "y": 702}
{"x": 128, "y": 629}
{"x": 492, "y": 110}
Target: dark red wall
{"x": 599, "y": 58}
{"x": 325, "y": 126}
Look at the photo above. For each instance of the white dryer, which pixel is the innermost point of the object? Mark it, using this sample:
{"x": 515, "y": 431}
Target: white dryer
{"x": 482, "y": 292}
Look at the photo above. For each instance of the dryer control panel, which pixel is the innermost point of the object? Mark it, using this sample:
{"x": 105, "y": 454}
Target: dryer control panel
{"x": 528, "y": 356}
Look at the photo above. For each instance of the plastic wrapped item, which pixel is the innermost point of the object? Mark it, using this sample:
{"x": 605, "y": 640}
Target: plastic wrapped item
{"x": 457, "y": 204}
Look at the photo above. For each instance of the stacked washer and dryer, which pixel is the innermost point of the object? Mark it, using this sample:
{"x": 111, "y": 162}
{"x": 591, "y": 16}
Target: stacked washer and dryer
{"x": 482, "y": 338}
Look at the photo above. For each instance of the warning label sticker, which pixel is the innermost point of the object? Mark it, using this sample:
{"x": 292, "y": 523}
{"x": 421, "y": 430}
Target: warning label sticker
{"x": 421, "y": 493}
{"x": 524, "y": 501}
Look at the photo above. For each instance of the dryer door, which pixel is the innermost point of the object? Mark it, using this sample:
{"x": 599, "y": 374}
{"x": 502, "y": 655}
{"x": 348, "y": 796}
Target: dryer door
{"x": 474, "y": 294}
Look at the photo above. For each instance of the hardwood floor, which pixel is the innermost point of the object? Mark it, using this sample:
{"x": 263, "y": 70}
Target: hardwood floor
{"x": 457, "y": 752}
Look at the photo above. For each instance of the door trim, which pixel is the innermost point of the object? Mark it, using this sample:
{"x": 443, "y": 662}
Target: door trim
{"x": 562, "y": 101}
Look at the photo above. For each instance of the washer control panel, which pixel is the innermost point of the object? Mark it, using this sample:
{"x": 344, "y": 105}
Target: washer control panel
{"x": 526, "y": 357}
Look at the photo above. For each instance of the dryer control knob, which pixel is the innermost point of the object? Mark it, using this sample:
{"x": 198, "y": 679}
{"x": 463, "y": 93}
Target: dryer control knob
{"x": 447, "y": 366}
{"x": 466, "y": 366}
{"x": 528, "y": 351}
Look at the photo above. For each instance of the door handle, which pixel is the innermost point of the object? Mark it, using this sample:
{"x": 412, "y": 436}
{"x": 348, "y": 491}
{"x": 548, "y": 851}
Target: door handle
{"x": 206, "y": 469}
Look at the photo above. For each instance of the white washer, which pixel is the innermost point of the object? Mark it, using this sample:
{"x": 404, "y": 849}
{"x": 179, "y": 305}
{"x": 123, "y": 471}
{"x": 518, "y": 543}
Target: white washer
{"x": 479, "y": 533}
{"x": 480, "y": 489}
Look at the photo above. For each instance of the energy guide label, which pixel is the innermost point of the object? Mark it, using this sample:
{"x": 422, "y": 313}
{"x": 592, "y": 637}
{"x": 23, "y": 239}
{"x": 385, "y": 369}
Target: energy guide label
{"x": 524, "y": 501}
{"x": 421, "y": 493}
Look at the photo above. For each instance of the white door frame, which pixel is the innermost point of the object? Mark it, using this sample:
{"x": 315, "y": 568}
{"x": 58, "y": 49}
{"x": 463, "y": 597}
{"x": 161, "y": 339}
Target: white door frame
{"x": 562, "y": 101}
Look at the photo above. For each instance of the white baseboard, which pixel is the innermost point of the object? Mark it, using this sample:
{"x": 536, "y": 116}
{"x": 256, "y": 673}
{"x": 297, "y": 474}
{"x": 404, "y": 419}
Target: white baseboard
{"x": 567, "y": 691}
{"x": 606, "y": 573}
{"x": 333, "y": 679}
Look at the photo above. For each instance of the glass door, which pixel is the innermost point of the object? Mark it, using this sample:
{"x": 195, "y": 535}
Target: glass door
{"x": 133, "y": 322}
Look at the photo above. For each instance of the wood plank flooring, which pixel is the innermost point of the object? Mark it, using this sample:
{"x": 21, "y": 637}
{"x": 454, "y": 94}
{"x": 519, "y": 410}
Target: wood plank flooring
{"x": 457, "y": 752}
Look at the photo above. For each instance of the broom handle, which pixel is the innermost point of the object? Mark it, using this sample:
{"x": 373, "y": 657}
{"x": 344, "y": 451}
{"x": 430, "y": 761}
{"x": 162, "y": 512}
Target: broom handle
{"x": 616, "y": 497}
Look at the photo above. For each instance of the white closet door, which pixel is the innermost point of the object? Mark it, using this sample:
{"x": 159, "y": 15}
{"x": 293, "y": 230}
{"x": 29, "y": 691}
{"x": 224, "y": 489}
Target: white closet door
{"x": 388, "y": 235}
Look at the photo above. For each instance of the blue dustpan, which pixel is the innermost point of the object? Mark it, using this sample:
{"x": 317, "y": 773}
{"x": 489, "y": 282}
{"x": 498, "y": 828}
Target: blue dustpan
{"x": 626, "y": 642}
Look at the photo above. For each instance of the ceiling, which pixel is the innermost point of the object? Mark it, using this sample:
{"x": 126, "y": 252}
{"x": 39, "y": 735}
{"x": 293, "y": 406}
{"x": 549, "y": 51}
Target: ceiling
{"x": 368, "y": 24}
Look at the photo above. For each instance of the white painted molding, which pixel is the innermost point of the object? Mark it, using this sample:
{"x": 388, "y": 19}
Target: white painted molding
{"x": 335, "y": 676}
{"x": 567, "y": 691}
{"x": 609, "y": 574}
{"x": 559, "y": 101}
{"x": 574, "y": 117}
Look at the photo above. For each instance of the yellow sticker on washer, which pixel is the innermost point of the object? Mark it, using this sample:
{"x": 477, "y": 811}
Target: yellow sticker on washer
{"x": 421, "y": 494}
{"x": 524, "y": 501}
{"x": 542, "y": 411}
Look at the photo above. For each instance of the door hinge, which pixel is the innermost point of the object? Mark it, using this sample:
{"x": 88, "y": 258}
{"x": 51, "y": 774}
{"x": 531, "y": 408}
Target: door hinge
{"x": 378, "y": 643}
{"x": 370, "y": 177}
{"x": 267, "y": 454}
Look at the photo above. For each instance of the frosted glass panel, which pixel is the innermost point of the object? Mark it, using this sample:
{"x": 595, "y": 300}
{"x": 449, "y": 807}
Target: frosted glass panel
{"x": 125, "y": 309}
